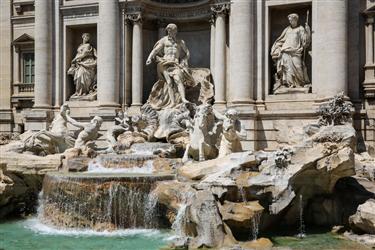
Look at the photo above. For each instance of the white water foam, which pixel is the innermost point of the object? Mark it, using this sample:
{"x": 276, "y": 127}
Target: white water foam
{"x": 96, "y": 167}
{"x": 37, "y": 226}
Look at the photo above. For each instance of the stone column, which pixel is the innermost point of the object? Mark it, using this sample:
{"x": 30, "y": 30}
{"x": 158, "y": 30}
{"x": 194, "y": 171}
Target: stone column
{"x": 329, "y": 47}
{"x": 260, "y": 89}
{"x": 212, "y": 43}
{"x": 58, "y": 57}
{"x": 241, "y": 28}
{"x": 6, "y": 119}
{"x": 370, "y": 41}
{"x": 43, "y": 54}
{"x": 220, "y": 11}
{"x": 369, "y": 83}
{"x": 108, "y": 53}
{"x": 137, "y": 60}
{"x": 128, "y": 61}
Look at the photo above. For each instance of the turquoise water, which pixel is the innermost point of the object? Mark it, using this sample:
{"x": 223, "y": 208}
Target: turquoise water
{"x": 31, "y": 234}
{"x": 313, "y": 241}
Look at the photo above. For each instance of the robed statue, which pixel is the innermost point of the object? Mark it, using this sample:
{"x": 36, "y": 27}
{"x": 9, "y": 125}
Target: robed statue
{"x": 83, "y": 70}
{"x": 288, "y": 53}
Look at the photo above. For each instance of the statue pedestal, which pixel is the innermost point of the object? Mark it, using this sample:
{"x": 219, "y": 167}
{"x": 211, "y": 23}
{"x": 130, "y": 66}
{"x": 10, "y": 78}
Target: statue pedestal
{"x": 89, "y": 97}
{"x": 304, "y": 90}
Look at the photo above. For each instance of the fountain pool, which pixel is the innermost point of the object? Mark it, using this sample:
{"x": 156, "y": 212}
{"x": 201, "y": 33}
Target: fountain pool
{"x": 32, "y": 234}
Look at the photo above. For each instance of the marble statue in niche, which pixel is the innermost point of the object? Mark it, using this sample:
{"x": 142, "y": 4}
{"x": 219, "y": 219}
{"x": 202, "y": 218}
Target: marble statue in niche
{"x": 289, "y": 53}
{"x": 83, "y": 69}
{"x": 170, "y": 91}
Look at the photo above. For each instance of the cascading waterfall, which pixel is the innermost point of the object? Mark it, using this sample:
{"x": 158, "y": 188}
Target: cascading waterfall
{"x": 104, "y": 202}
{"x": 151, "y": 210}
{"x": 301, "y": 233}
{"x": 255, "y": 221}
{"x": 243, "y": 194}
{"x": 178, "y": 224}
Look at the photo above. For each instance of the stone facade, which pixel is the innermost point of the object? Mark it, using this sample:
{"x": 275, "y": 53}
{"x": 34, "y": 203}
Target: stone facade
{"x": 232, "y": 38}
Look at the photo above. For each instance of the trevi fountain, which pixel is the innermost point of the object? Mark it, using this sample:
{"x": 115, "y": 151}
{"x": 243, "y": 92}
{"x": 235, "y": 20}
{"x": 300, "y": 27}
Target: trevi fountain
{"x": 174, "y": 171}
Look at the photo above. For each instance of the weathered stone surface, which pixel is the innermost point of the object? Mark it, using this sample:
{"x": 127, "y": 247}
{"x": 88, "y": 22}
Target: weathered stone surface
{"x": 340, "y": 134}
{"x": 336, "y": 166}
{"x": 289, "y": 132}
{"x": 204, "y": 213}
{"x": 18, "y": 192}
{"x": 313, "y": 169}
{"x": 173, "y": 193}
{"x": 259, "y": 244}
{"x": 364, "y": 219}
{"x": 239, "y": 216}
{"x": 125, "y": 140}
{"x": 220, "y": 166}
{"x": 365, "y": 239}
{"x": 76, "y": 164}
{"x": 365, "y": 166}
{"x": 30, "y": 164}
{"x": 307, "y": 164}
{"x": 21, "y": 178}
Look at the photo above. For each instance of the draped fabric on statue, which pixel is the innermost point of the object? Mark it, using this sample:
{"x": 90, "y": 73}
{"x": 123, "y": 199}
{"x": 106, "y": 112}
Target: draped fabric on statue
{"x": 199, "y": 88}
{"x": 288, "y": 51}
{"x": 84, "y": 70}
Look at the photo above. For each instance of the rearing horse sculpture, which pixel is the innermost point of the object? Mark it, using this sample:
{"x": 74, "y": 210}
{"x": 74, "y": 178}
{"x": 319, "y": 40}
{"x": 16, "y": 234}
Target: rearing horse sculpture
{"x": 203, "y": 135}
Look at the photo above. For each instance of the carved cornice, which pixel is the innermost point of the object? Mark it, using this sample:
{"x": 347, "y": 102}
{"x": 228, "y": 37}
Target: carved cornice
{"x": 369, "y": 20}
{"x": 87, "y": 10}
{"x": 169, "y": 12}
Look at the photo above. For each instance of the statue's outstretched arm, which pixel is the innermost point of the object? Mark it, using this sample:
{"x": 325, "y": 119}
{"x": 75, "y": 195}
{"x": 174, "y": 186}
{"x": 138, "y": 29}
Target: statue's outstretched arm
{"x": 74, "y": 122}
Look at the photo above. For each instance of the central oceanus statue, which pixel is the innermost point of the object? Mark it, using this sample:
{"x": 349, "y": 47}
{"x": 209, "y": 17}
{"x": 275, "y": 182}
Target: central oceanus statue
{"x": 177, "y": 83}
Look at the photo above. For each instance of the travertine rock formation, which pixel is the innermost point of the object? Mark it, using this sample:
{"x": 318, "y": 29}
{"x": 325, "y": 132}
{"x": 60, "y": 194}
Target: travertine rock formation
{"x": 267, "y": 185}
{"x": 21, "y": 177}
{"x": 364, "y": 219}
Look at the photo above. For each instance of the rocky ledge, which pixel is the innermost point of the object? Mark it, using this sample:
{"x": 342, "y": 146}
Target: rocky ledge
{"x": 229, "y": 200}
{"x": 21, "y": 177}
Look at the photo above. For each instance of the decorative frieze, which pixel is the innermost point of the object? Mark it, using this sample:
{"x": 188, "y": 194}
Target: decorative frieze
{"x": 156, "y": 12}
{"x": 73, "y": 12}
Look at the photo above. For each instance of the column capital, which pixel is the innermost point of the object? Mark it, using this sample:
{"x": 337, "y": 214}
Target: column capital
{"x": 370, "y": 20}
{"x": 134, "y": 17}
{"x": 220, "y": 8}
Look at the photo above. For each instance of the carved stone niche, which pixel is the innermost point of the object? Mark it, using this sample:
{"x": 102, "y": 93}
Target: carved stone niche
{"x": 290, "y": 72}
{"x": 73, "y": 42}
